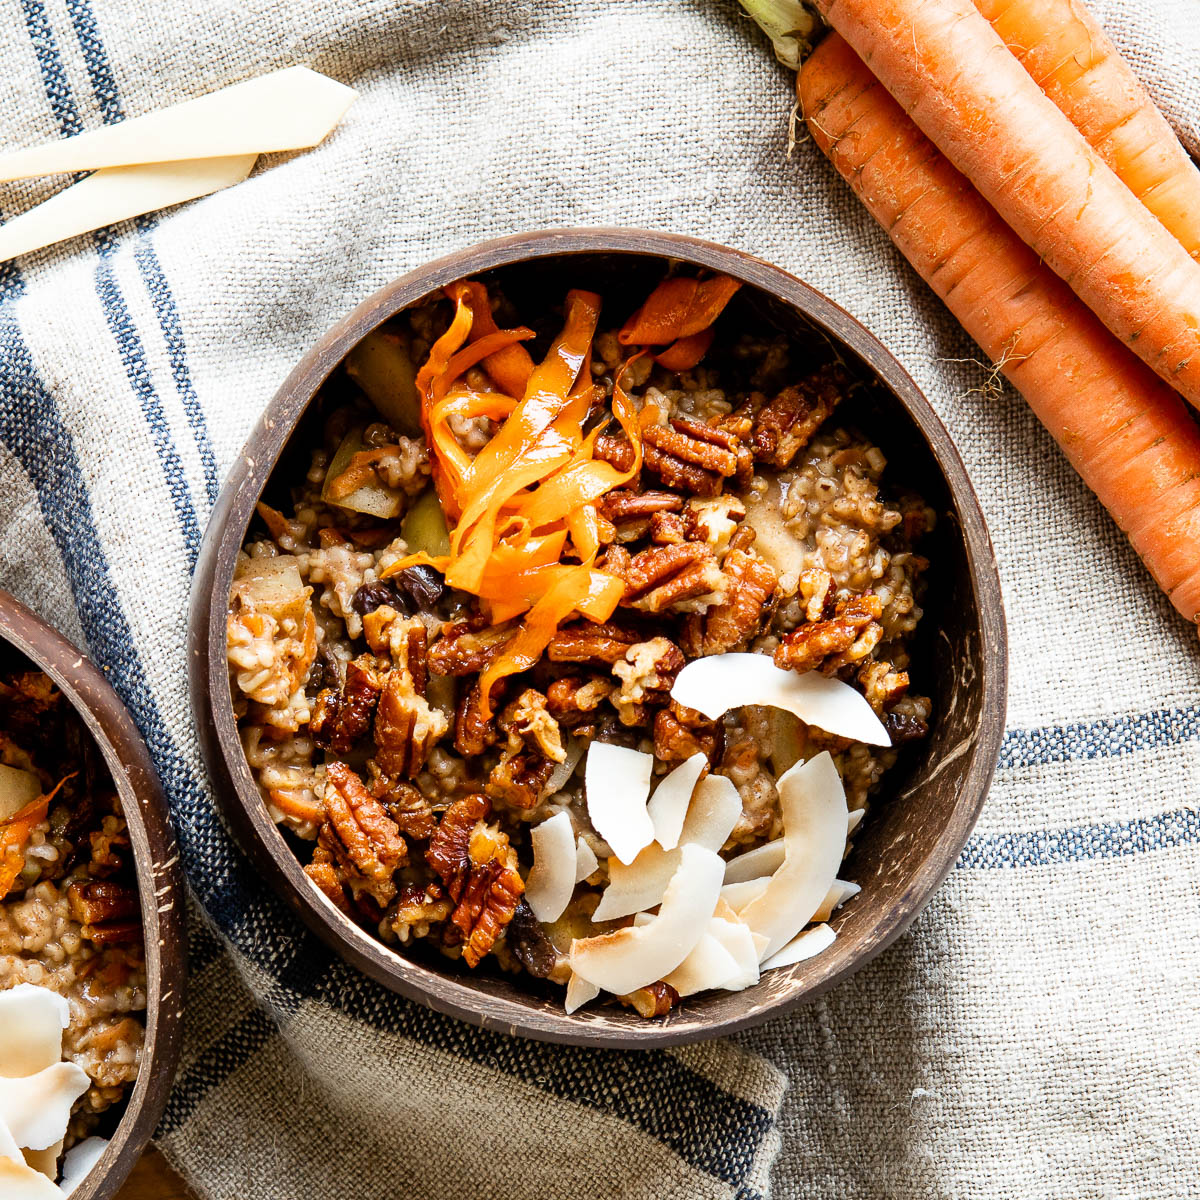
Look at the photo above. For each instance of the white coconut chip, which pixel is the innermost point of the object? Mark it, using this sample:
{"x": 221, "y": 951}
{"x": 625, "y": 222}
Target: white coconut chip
{"x": 708, "y": 966}
{"x": 669, "y": 805}
{"x": 814, "y": 825}
{"x": 762, "y": 860}
{"x": 564, "y": 770}
{"x": 551, "y": 881}
{"x": 585, "y": 860}
{"x": 805, "y": 945}
{"x": 617, "y": 782}
{"x": 744, "y": 947}
{"x": 639, "y": 885}
{"x": 8, "y": 1147}
{"x": 19, "y": 1181}
{"x": 32, "y": 1020}
{"x": 715, "y": 684}
{"x": 631, "y": 958}
{"x": 854, "y": 820}
{"x": 838, "y": 894}
{"x": 36, "y": 1108}
{"x": 738, "y": 895}
{"x": 79, "y": 1161}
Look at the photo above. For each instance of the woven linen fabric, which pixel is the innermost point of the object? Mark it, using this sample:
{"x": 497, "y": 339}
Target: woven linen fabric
{"x": 1032, "y": 1035}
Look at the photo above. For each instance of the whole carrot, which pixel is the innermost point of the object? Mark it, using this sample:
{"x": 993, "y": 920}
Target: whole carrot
{"x": 1070, "y": 57}
{"x": 1126, "y": 433}
{"x": 959, "y": 83}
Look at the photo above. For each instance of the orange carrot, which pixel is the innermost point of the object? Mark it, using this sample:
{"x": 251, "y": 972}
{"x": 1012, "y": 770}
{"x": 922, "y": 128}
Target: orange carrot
{"x": 1070, "y": 57}
{"x": 955, "y": 78}
{"x": 1126, "y": 433}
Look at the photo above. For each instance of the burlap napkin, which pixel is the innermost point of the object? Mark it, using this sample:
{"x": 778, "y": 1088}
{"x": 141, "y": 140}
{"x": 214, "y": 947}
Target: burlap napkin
{"x": 1033, "y": 1035}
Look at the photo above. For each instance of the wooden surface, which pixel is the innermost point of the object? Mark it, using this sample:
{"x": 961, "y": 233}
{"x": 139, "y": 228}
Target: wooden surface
{"x": 153, "y": 1179}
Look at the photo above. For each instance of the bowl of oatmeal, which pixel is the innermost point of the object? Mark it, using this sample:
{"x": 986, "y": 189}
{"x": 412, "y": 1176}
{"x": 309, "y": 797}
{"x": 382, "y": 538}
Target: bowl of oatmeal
{"x": 92, "y": 947}
{"x": 599, "y": 640}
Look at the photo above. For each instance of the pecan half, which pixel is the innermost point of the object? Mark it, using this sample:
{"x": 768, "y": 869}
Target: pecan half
{"x": 661, "y": 577}
{"x": 391, "y": 635}
{"x": 479, "y": 870}
{"x": 595, "y": 645}
{"x": 407, "y": 806}
{"x": 882, "y": 684}
{"x": 633, "y": 514}
{"x": 342, "y": 718}
{"x": 534, "y": 746}
{"x": 646, "y": 677}
{"x": 108, "y": 912}
{"x": 680, "y": 732}
{"x": 417, "y": 908}
{"x": 614, "y": 450}
{"x": 653, "y": 1000}
{"x": 571, "y": 701}
{"x": 473, "y": 732}
{"x": 732, "y": 624}
{"x": 406, "y": 727}
{"x": 817, "y": 593}
{"x": 324, "y": 873}
{"x": 690, "y": 455}
{"x": 786, "y": 424}
{"x": 847, "y": 637}
{"x": 358, "y": 837}
{"x": 528, "y": 720}
{"x": 468, "y": 647}
{"x": 668, "y": 528}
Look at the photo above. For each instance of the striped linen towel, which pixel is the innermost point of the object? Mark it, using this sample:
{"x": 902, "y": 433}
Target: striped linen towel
{"x": 1034, "y": 1033}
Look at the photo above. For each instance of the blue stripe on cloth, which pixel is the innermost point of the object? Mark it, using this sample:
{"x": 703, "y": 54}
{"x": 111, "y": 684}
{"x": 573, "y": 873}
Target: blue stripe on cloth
{"x": 1083, "y": 843}
{"x": 104, "y": 87}
{"x": 1110, "y": 737}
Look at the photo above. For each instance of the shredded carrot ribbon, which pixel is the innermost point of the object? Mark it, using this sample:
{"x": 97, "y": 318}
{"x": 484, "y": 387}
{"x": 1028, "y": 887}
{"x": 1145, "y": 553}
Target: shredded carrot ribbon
{"x": 16, "y": 831}
{"x": 528, "y": 497}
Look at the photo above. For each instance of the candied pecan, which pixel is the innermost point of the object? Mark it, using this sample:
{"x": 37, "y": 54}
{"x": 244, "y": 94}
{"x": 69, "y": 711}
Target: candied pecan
{"x": 417, "y": 908}
{"x": 595, "y": 645}
{"x": 882, "y": 684}
{"x": 691, "y": 456}
{"x": 404, "y": 640}
{"x": 407, "y": 806}
{"x": 359, "y": 836}
{"x": 817, "y": 592}
{"x": 680, "y": 732}
{"x": 732, "y": 624}
{"x": 109, "y": 847}
{"x": 661, "y": 577}
{"x": 519, "y": 779}
{"x": 646, "y": 677}
{"x": 324, "y": 874}
{"x": 904, "y": 727}
{"x": 340, "y": 719}
{"x": 622, "y": 504}
{"x": 668, "y": 528}
{"x": 846, "y": 637}
{"x": 529, "y": 943}
{"x": 714, "y": 520}
{"x": 653, "y": 1000}
{"x": 615, "y": 450}
{"x": 479, "y": 869}
{"x": 109, "y": 912}
{"x": 785, "y": 425}
{"x": 406, "y": 727}
{"x": 468, "y": 647}
{"x": 572, "y": 700}
{"x": 473, "y": 732}
{"x": 743, "y": 537}
{"x": 527, "y": 721}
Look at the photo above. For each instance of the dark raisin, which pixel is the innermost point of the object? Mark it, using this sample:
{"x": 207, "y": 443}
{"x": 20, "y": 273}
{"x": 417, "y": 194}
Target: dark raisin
{"x": 423, "y": 584}
{"x": 323, "y": 673}
{"x": 375, "y": 595}
{"x": 528, "y": 942}
{"x": 904, "y": 728}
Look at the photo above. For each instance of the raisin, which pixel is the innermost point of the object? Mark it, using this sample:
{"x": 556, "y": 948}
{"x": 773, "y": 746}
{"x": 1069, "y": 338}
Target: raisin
{"x": 422, "y": 584}
{"x": 375, "y": 595}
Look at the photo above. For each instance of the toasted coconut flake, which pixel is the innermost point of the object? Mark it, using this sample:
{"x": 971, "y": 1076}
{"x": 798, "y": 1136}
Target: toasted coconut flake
{"x": 639, "y": 885}
{"x": 19, "y": 1181}
{"x": 669, "y": 805}
{"x": 579, "y": 992}
{"x": 708, "y": 966}
{"x": 838, "y": 894}
{"x": 623, "y": 961}
{"x": 79, "y": 1161}
{"x": 715, "y": 684}
{"x": 36, "y": 1108}
{"x": 744, "y": 947}
{"x": 754, "y": 864}
{"x": 805, "y": 945}
{"x": 738, "y": 895}
{"x": 585, "y": 860}
{"x": 814, "y": 823}
{"x": 551, "y": 880}
{"x": 617, "y": 782}
{"x": 32, "y": 1020}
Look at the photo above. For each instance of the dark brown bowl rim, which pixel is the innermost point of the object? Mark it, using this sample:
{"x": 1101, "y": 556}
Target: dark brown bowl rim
{"x": 230, "y": 519}
{"x": 159, "y": 876}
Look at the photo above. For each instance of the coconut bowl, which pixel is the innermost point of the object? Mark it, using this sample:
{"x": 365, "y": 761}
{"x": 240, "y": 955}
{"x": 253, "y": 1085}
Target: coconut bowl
{"x": 918, "y": 824}
{"x": 159, "y": 878}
